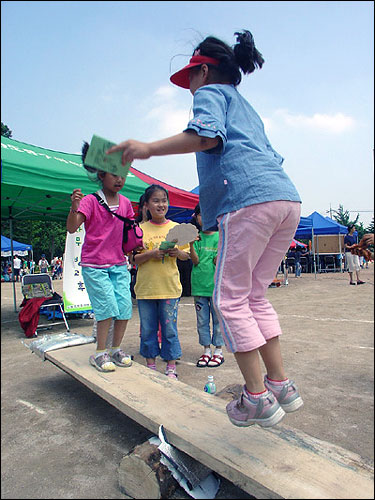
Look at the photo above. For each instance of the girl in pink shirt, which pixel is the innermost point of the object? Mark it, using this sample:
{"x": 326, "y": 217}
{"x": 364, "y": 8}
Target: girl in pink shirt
{"x": 104, "y": 265}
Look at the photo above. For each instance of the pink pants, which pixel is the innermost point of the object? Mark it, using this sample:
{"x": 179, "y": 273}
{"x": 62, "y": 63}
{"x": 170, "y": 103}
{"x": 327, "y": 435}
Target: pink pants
{"x": 252, "y": 244}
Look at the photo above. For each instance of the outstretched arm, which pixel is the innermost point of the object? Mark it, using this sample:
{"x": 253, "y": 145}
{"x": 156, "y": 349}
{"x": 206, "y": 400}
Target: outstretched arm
{"x": 185, "y": 142}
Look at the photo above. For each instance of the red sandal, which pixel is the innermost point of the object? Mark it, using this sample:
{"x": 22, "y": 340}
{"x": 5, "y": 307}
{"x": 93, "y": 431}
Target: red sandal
{"x": 203, "y": 361}
{"x": 216, "y": 360}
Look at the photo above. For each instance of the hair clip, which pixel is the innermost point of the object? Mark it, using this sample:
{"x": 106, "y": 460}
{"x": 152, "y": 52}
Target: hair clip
{"x": 197, "y": 52}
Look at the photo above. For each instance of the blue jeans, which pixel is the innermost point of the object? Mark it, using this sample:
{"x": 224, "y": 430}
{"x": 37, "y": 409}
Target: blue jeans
{"x": 298, "y": 269}
{"x": 204, "y": 309}
{"x": 151, "y": 313}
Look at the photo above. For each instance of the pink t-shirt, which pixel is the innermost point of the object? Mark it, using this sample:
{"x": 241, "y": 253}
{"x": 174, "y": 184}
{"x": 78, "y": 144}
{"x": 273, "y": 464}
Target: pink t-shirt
{"x": 103, "y": 240}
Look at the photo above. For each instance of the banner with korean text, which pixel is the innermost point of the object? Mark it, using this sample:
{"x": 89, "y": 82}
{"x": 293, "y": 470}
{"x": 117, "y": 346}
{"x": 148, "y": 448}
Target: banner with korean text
{"x": 74, "y": 290}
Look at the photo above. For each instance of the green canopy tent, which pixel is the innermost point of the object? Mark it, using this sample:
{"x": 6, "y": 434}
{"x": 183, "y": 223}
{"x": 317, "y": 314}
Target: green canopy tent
{"x": 36, "y": 184}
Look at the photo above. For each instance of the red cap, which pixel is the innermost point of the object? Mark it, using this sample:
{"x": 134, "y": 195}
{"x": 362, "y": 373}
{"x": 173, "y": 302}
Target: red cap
{"x": 181, "y": 78}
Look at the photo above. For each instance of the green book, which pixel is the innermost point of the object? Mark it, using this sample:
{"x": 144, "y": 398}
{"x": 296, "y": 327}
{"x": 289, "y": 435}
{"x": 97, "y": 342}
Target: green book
{"x": 96, "y": 157}
{"x": 166, "y": 245}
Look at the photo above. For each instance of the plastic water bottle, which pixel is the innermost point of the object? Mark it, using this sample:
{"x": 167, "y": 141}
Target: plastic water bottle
{"x": 210, "y": 386}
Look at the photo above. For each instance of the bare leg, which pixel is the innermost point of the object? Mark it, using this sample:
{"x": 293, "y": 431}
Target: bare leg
{"x": 102, "y": 333}
{"x": 271, "y": 355}
{"x": 351, "y": 277}
{"x": 249, "y": 364}
{"x": 119, "y": 331}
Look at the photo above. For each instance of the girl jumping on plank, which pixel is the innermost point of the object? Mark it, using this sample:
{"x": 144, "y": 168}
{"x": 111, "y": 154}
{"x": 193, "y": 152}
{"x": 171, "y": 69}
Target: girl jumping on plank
{"x": 244, "y": 189}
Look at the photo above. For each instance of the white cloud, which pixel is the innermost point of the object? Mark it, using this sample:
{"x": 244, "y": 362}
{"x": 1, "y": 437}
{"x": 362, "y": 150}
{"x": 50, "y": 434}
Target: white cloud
{"x": 267, "y": 122}
{"x": 166, "y": 115}
{"x": 172, "y": 121}
{"x": 332, "y": 123}
{"x": 166, "y": 92}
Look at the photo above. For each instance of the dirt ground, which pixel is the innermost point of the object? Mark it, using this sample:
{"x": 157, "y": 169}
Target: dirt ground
{"x": 60, "y": 440}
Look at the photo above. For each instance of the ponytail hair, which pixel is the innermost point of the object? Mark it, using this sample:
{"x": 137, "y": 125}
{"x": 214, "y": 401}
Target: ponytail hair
{"x": 141, "y": 203}
{"x": 247, "y": 55}
{"x": 242, "y": 57}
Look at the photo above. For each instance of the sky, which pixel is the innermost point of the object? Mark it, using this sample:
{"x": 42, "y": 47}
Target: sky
{"x": 72, "y": 69}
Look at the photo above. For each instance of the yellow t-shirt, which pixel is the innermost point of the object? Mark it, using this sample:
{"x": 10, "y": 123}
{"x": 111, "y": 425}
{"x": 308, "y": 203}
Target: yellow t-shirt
{"x": 157, "y": 279}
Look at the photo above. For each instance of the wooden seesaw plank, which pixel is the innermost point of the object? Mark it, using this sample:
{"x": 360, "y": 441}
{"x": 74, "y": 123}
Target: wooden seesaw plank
{"x": 267, "y": 463}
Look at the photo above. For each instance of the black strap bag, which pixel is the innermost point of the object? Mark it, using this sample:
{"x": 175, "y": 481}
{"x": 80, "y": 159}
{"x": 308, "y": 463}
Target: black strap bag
{"x": 132, "y": 234}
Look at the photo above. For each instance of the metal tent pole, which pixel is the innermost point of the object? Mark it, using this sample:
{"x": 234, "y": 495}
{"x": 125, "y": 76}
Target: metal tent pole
{"x": 340, "y": 250}
{"x": 313, "y": 249}
{"x": 12, "y": 259}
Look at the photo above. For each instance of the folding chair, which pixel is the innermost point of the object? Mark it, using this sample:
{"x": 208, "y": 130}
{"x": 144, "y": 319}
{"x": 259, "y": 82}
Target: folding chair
{"x": 304, "y": 264}
{"x": 40, "y": 285}
{"x": 330, "y": 263}
{"x": 290, "y": 263}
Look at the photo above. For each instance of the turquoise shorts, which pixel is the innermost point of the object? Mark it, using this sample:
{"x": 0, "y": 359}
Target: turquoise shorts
{"x": 109, "y": 291}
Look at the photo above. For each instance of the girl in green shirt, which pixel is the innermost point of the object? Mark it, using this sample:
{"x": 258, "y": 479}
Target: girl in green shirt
{"x": 203, "y": 254}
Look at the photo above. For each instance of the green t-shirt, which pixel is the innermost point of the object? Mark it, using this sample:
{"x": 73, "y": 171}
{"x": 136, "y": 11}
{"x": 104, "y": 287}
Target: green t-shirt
{"x": 202, "y": 275}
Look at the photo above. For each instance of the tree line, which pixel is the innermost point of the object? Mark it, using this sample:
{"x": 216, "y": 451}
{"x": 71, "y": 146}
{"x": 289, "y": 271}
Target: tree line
{"x": 46, "y": 237}
{"x": 343, "y": 217}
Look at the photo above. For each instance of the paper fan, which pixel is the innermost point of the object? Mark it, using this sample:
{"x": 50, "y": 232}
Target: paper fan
{"x": 182, "y": 234}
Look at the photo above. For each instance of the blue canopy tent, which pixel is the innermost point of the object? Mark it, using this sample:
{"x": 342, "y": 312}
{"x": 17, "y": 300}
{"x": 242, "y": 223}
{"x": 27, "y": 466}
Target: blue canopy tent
{"x": 18, "y": 248}
{"x": 319, "y": 226}
{"x": 10, "y": 247}
{"x": 342, "y": 229}
{"x": 305, "y": 229}
{"x": 304, "y": 226}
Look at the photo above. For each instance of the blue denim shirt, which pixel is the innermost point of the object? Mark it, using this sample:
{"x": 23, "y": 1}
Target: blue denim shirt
{"x": 243, "y": 169}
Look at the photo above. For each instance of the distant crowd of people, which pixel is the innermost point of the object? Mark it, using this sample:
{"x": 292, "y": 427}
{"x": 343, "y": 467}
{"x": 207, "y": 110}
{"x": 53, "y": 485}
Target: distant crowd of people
{"x": 22, "y": 266}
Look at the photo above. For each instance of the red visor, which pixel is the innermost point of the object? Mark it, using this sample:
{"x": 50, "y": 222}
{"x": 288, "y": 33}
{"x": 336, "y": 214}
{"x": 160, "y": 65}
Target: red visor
{"x": 181, "y": 78}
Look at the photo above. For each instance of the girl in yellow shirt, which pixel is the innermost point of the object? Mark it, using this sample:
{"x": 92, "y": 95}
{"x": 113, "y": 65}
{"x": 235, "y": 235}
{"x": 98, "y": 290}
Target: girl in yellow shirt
{"x": 158, "y": 288}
